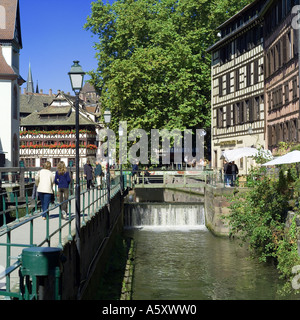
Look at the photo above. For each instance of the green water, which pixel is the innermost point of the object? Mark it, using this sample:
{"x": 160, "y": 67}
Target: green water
{"x": 185, "y": 264}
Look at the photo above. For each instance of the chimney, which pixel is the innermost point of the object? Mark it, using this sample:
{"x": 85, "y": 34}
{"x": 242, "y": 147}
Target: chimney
{"x": 41, "y": 91}
{"x": 50, "y": 92}
{"x": 24, "y": 90}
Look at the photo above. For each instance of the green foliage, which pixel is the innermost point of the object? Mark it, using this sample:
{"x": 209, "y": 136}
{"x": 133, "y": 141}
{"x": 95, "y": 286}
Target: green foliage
{"x": 153, "y": 68}
{"x": 258, "y": 218}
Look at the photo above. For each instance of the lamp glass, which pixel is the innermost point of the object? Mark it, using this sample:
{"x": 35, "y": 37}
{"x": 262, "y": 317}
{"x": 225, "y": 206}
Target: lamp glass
{"x": 76, "y": 76}
{"x": 107, "y": 116}
{"x": 76, "y": 81}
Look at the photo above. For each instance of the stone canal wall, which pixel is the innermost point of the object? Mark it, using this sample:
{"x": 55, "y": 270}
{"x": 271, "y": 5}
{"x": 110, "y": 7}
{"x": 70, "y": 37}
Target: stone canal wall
{"x": 216, "y": 206}
{"x": 96, "y": 239}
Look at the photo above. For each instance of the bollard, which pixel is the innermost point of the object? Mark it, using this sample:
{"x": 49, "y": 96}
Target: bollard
{"x": 39, "y": 266}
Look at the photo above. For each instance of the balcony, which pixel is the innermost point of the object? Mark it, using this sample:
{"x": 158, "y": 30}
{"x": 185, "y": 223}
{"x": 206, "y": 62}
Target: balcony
{"x": 56, "y": 134}
{"x": 40, "y": 150}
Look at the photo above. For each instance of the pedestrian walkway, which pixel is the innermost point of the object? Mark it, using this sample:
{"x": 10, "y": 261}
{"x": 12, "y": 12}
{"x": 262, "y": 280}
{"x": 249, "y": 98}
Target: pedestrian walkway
{"x": 54, "y": 232}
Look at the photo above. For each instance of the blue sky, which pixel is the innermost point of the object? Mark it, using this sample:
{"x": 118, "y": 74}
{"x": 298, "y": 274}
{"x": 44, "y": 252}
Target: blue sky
{"x": 53, "y": 36}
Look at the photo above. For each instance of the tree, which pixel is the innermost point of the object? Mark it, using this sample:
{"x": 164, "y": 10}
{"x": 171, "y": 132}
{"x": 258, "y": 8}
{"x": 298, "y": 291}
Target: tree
{"x": 153, "y": 68}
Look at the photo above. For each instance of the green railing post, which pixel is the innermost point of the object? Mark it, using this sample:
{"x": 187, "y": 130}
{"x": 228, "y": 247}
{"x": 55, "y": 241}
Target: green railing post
{"x": 83, "y": 209}
{"x": 4, "y": 210}
{"x": 70, "y": 221}
{"x": 17, "y": 207}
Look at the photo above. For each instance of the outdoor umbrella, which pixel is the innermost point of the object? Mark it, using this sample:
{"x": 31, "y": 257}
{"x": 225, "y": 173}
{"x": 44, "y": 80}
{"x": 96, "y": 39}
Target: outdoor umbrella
{"x": 235, "y": 154}
{"x": 291, "y": 157}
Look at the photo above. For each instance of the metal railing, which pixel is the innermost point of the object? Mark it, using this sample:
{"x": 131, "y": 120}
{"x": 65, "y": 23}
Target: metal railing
{"x": 29, "y": 230}
{"x": 186, "y": 179}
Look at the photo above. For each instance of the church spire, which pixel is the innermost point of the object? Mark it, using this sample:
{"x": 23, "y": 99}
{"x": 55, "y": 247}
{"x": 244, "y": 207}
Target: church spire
{"x": 29, "y": 88}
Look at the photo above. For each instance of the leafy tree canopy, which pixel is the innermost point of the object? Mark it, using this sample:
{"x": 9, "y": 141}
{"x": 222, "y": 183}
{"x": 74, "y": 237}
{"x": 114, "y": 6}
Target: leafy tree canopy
{"x": 153, "y": 68}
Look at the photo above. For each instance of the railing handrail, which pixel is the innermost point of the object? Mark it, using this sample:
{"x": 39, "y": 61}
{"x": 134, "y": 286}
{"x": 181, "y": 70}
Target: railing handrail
{"x": 96, "y": 203}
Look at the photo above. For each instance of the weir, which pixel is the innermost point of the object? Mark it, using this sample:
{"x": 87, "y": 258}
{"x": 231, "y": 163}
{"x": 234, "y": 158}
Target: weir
{"x": 164, "y": 215}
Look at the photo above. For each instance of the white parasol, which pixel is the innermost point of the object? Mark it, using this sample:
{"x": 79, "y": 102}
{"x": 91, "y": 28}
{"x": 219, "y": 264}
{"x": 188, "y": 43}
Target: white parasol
{"x": 291, "y": 157}
{"x": 235, "y": 154}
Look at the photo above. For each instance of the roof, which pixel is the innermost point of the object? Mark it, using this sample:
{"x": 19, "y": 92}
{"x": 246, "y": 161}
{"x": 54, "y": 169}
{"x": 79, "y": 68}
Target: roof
{"x": 257, "y": 17}
{"x": 12, "y": 21}
{"x": 35, "y": 120}
{"x": 34, "y": 102}
{"x": 55, "y": 115}
{"x": 238, "y": 14}
{"x": 88, "y": 88}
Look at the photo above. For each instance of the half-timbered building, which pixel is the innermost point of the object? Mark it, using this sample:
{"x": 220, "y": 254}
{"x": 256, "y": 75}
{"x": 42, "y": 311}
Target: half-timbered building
{"x": 49, "y": 134}
{"x": 237, "y": 72}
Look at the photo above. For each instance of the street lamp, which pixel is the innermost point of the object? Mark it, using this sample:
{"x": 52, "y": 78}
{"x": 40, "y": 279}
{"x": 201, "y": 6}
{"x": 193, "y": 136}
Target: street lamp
{"x": 107, "y": 119}
{"x": 76, "y": 77}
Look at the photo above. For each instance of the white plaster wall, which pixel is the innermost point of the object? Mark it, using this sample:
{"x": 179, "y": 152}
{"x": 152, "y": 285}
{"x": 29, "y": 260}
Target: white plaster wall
{"x": 5, "y": 119}
{"x": 7, "y": 53}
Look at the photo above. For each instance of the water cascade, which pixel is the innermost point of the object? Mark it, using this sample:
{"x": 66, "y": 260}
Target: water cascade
{"x": 165, "y": 215}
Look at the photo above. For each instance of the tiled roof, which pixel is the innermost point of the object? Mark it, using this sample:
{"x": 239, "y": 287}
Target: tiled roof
{"x": 12, "y": 18}
{"x": 34, "y": 102}
{"x": 34, "y": 120}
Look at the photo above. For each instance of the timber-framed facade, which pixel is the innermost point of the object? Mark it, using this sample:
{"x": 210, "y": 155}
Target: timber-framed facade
{"x": 237, "y": 102}
{"x": 49, "y": 134}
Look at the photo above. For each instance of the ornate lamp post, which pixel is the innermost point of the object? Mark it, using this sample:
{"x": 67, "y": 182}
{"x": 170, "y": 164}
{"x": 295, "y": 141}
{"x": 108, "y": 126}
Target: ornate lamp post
{"x": 76, "y": 77}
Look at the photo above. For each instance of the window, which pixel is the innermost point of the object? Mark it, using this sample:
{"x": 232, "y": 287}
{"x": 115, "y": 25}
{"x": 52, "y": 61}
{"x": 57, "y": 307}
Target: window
{"x": 228, "y": 116}
{"x": 251, "y": 110}
{"x": 43, "y": 161}
{"x": 237, "y": 80}
{"x": 29, "y": 162}
{"x": 295, "y": 87}
{"x": 56, "y": 161}
{"x": 228, "y": 83}
{"x": 248, "y": 75}
{"x": 220, "y": 117}
{"x": 284, "y": 48}
{"x": 256, "y": 72}
{"x": 295, "y": 42}
{"x": 241, "y": 113}
{"x": 256, "y": 114}
{"x": 286, "y": 92}
{"x": 221, "y": 86}
{"x": 289, "y": 53}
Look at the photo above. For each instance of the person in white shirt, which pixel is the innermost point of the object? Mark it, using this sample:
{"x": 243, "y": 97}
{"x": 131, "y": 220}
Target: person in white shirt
{"x": 44, "y": 181}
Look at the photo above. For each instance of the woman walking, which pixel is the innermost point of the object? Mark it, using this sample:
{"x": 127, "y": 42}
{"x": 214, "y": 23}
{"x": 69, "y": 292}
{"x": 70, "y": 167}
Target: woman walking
{"x": 62, "y": 179}
{"x": 44, "y": 181}
{"x": 88, "y": 173}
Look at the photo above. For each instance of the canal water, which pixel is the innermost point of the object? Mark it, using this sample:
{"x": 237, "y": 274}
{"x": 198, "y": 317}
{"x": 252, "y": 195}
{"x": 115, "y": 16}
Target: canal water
{"x": 177, "y": 258}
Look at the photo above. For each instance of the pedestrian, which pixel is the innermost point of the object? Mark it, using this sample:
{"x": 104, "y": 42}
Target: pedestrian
{"x": 135, "y": 171}
{"x": 88, "y": 173}
{"x": 44, "y": 181}
{"x": 234, "y": 171}
{"x": 147, "y": 175}
{"x": 98, "y": 174}
{"x": 63, "y": 179}
{"x": 227, "y": 173}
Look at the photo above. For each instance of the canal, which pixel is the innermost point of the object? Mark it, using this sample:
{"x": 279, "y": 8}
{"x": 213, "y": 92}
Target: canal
{"x": 177, "y": 258}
